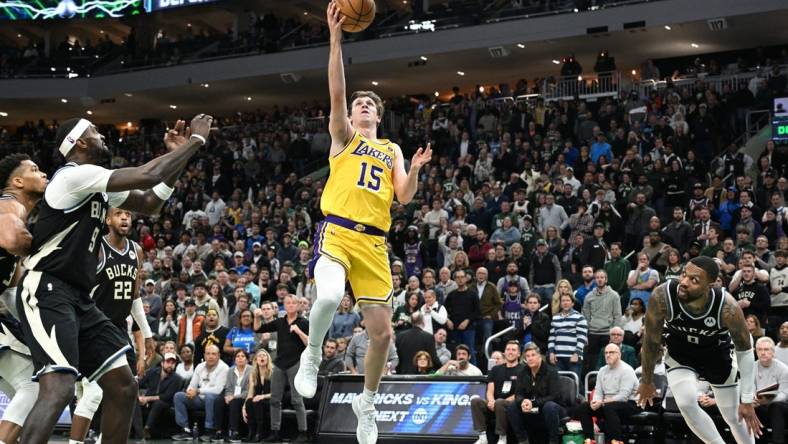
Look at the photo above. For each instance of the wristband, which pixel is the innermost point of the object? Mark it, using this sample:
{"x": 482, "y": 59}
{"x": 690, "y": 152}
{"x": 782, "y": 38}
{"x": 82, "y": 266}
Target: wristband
{"x": 198, "y": 137}
{"x": 163, "y": 191}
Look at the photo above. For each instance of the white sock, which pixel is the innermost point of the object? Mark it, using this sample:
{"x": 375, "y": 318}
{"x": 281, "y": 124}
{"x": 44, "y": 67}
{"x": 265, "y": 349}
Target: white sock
{"x": 368, "y": 396}
{"x": 330, "y": 282}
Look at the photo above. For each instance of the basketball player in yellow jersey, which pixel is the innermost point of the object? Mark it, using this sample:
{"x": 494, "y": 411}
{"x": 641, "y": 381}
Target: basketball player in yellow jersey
{"x": 350, "y": 244}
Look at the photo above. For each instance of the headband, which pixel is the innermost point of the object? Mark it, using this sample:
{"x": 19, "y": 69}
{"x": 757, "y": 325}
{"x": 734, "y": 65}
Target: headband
{"x": 72, "y": 136}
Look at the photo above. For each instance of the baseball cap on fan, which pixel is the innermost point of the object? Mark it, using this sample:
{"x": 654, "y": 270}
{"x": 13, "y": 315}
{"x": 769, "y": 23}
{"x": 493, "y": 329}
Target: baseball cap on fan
{"x": 170, "y": 355}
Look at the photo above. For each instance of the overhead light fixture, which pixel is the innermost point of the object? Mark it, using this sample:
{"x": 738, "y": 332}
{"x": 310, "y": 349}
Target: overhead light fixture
{"x": 556, "y": 62}
{"x": 19, "y": 36}
{"x": 64, "y": 100}
{"x": 102, "y": 31}
{"x": 173, "y": 106}
{"x": 375, "y": 83}
{"x": 128, "y": 94}
{"x": 575, "y": 10}
{"x": 404, "y": 2}
{"x": 188, "y": 25}
{"x": 424, "y": 58}
{"x": 437, "y": 94}
{"x": 3, "y": 114}
{"x": 521, "y": 46}
{"x": 248, "y": 99}
{"x": 634, "y": 73}
{"x": 68, "y": 69}
{"x": 52, "y": 69}
{"x": 128, "y": 124}
{"x": 205, "y": 85}
{"x": 694, "y": 45}
{"x": 460, "y": 73}
{"x": 89, "y": 112}
{"x": 72, "y": 75}
{"x": 667, "y": 27}
{"x": 481, "y": 89}
{"x": 579, "y": 78}
{"x": 306, "y": 13}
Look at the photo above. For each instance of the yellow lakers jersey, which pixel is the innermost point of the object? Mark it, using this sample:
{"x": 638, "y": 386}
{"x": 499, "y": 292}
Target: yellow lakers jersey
{"x": 360, "y": 185}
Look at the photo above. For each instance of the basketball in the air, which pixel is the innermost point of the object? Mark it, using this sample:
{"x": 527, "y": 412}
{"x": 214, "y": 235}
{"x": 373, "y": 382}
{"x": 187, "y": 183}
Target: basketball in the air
{"x": 359, "y": 13}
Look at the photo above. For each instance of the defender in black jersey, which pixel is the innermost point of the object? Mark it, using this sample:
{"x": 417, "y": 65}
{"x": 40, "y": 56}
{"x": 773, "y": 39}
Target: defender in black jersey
{"x": 701, "y": 326}
{"x": 22, "y": 187}
{"x": 67, "y": 334}
{"x": 116, "y": 294}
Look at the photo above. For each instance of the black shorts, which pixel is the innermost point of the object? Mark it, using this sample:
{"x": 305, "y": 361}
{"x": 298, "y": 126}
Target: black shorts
{"x": 716, "y": 371}
{"x": 64, "y": 329}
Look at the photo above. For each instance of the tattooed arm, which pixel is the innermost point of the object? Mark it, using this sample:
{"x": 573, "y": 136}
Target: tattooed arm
{"x": 652, "y": 342}
{"x": 733, "y": 320}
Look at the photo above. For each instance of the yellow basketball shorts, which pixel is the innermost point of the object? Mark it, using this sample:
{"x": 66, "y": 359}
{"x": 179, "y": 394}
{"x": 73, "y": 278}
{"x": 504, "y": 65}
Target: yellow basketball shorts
{"x": 362, "y": 250}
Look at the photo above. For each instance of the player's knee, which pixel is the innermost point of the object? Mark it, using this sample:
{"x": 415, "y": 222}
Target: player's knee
{"x": 382, "y": 336}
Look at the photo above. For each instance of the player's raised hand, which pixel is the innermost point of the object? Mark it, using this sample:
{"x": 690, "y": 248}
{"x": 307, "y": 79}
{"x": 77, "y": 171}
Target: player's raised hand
{"x": 646, "y": 394}
{"x": 422, "y": 157}
{"x": 177, "y": 136}
{"x": 747, "y": 413}
{"x": 201, "y": 125}
{"x": 335, "y": 19}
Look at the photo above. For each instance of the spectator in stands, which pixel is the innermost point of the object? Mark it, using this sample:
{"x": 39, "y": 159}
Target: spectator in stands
{"x": 357, "y": 351}
{"x": 614, "y": 397}
{"x": 564, "y": 288}
{"x": 462, "y": 306}
{"x": 753, "y": 296}
{"x": 292, "y": 333}
{"x": 401, "y": 319}
{"x": 602, "y": 310}
{"x": 772, "y": 407}
{"x": 168, "y": 323}
{"x": 501, "y": 383}
{"x": 460, "y": 365}
{"x": 618, "y": 269}
{"x": 551, "y": 214}
{"x": 150, "y": 296}
{"x": 445, "y": 284}
{"x": 545, "y": 272}
{"x": 236, "y": 391}
{"x": 205, "y": 389}
{"x": 633, "y": 321}
{"x": 535, "y": 325}
{"x": 627, "y": 352}
{"x": 754, "y": 327}
{"x": 331, "y": 363}
{"x": 345, "y": 320}
{"x": 642, "y": 280}
{"x": 637, "y": 221}
{"x": 242, "y": 336}
{"x": 189, "y": 324}
{"x": 586, "y": 286}
{"x": 568, "y": 337}
{"x": 157, "y": 390}
{"x": 185, "y": 368}
{"x": 489, "y": 303}
{"x": 212, "y": 334}
{"x": 256, "y": 409}
{"x": 507, "y": 233}
{"x": 435, "y": 315}
{"x": 781, "y": 350}
{"x": 440, "y": 346}
{"x": 423, "y": 364}
{"x": 410, "y": 342}
{"x": 537, "y": 388}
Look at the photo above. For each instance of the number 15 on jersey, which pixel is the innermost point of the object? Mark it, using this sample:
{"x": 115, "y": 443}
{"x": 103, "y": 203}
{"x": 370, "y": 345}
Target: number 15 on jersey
{"x": 373, "y": 184}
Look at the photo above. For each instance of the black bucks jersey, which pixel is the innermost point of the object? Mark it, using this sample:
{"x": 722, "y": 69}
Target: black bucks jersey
{"x": 115, "y": 277}
{"x": 7, "y": 262}
{"x": 700, "y": 342}
{"x": 65, "y": 242}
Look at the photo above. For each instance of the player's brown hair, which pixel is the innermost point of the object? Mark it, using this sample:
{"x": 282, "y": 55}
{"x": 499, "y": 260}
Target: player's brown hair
{"x": 375, "y": 98}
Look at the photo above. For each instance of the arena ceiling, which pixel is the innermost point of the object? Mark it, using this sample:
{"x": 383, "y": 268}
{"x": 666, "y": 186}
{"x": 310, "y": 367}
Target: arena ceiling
{"x": 395, "y": 78}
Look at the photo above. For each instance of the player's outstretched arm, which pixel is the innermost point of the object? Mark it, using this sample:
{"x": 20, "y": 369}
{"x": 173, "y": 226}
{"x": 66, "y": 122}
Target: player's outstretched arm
{"x": 406, "y": 183}
{"x": 159, "y": 175}
{"x": 652, "y": 343}
{"x": 733, "y": 320}
{"x": 338, "y": 123}
{"x": 14, "y": 237}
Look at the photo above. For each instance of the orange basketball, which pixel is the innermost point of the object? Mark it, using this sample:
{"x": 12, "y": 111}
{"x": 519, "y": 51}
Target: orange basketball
{"x": 359, "y": 13}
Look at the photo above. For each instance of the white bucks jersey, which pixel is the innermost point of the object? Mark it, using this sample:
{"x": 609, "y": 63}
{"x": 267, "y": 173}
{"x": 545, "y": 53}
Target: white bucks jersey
{"x": 65, "y": 241}
{"x": 115, "y": 278}
{"x": 778, "y": 278}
